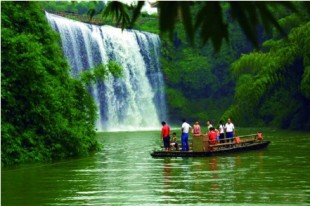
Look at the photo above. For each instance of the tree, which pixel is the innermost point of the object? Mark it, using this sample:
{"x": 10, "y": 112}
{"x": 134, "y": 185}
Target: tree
{"x": 209, "y": 21}
{"x": 273, "y": 85}
{"x": 45, "y": 113}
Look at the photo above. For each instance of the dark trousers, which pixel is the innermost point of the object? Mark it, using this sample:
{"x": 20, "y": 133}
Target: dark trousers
{"x": 184, "y": 140}
{"x": 166, "y": 142}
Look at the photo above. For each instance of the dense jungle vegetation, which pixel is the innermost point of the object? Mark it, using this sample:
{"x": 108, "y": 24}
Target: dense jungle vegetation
{"x": 256, "y": 77}
{"x": 45, "y": 113}
{"x": 268, "y": 86}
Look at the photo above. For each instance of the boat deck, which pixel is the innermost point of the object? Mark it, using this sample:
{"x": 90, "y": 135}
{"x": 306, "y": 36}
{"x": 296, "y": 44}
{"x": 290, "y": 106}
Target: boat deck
{"x": 215, "y": 149}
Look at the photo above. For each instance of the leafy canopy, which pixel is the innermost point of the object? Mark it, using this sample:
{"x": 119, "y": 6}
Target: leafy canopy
{"x": 45, "y": 113}
{"x": 209, "y": 21}
{"x": 274, "y": 85}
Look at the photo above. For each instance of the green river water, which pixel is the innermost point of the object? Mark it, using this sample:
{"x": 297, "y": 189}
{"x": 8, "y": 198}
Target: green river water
{"x": 124, "y": 173}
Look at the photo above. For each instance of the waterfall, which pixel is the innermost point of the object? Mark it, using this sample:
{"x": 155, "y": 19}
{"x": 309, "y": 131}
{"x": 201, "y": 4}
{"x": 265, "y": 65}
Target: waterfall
{"x": 136, "y": 101}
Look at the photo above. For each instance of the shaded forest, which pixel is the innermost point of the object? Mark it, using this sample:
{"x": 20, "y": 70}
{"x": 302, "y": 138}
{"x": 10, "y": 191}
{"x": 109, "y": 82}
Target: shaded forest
{"x": 265, "y": 86}
{"x": 48, "y": 115}
{"x": 45, "y": 113}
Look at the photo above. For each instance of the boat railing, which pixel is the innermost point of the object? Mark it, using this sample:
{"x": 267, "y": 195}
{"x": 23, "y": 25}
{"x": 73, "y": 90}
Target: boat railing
{"x": 238, "y": 140}
{"x": 202, "y": 142}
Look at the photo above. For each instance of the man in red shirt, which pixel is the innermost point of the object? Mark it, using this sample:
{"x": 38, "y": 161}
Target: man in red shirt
{"x": 165, "y": 135}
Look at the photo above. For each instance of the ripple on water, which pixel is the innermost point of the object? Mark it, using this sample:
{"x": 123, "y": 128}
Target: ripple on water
{"x": 128, "y": 175}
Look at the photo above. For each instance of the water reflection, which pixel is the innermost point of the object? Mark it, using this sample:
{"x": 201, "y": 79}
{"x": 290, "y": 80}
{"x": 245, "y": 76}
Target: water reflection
{"x": 167, "y": 172}
{"x": 214, "y": 187}
{"x": 127, "y": 175}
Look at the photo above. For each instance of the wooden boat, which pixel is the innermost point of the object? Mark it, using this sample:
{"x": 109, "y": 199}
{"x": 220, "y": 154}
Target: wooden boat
{"x": 202, "y": 147}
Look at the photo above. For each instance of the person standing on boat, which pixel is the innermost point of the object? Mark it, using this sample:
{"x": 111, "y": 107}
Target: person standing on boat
{"x": 165, "y": 134}
{"x": 184, "y": 139}
{"x": 209, "y": 124}
{"x": 221, "y": 130}
{"x": 230, "y": 130}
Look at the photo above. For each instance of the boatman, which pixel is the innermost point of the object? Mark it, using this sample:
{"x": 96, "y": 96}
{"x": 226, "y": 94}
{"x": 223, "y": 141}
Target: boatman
{"x": 184, "y": 139}
{"x": 165, "y": 135}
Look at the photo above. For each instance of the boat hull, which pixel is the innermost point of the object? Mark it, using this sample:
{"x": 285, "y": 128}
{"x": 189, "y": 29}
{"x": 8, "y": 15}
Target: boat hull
{"x": 232, "y": 149}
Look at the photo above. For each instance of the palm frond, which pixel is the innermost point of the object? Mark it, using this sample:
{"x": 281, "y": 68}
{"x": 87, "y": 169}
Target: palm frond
{"x": 118, "y": 12}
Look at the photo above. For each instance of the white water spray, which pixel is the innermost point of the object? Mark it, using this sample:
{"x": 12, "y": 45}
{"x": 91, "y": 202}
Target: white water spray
{"x": 135, "y": 101}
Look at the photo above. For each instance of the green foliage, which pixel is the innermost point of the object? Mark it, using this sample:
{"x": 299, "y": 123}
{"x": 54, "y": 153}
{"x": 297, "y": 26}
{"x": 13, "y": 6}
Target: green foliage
{"x": 46, "y": 114}
{"x": 273, "y": 86}
{"x": 85, "y": 11}
{"x": 118, "y": 12}
{"x": 81, "y": 8}
{"x": 202, "y": 76}
{"x": 101, "y": 72}
{"x": 147, "y": 23}
{"x": 209, "y": 20}
{"x": 191, "y": 73}
{"x": 176, "y": 99}
{"x": 305, "y": 83}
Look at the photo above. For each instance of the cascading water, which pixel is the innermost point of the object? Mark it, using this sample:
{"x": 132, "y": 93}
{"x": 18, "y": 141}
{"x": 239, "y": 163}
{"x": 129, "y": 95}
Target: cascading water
{"x": 135, "y": 101}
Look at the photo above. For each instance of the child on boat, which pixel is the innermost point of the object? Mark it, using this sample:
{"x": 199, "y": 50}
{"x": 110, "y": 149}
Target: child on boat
{"x": 173, "y": 141}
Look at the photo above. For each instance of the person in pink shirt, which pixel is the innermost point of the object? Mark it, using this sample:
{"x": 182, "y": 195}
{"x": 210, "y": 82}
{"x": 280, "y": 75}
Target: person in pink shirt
{"x": 196, "y": 129}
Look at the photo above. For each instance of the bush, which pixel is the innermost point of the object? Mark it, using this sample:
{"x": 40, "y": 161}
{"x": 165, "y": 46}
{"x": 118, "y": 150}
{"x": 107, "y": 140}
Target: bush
{"x": 46, "y": 114}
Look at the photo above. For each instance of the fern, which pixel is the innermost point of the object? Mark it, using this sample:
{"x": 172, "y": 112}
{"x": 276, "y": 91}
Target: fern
{"x": 261, "y": 74}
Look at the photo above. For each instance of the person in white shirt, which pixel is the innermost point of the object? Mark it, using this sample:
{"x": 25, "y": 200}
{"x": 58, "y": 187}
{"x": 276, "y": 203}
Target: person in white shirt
{"x": 184, "y": 139}
{"x": 209, "y": 124}
{"x": 222, "y": 132}
{"x": 229, "y": 130}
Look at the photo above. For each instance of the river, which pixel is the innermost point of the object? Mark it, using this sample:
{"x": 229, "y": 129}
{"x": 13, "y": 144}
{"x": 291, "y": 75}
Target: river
{"x": 124, "y": 173}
